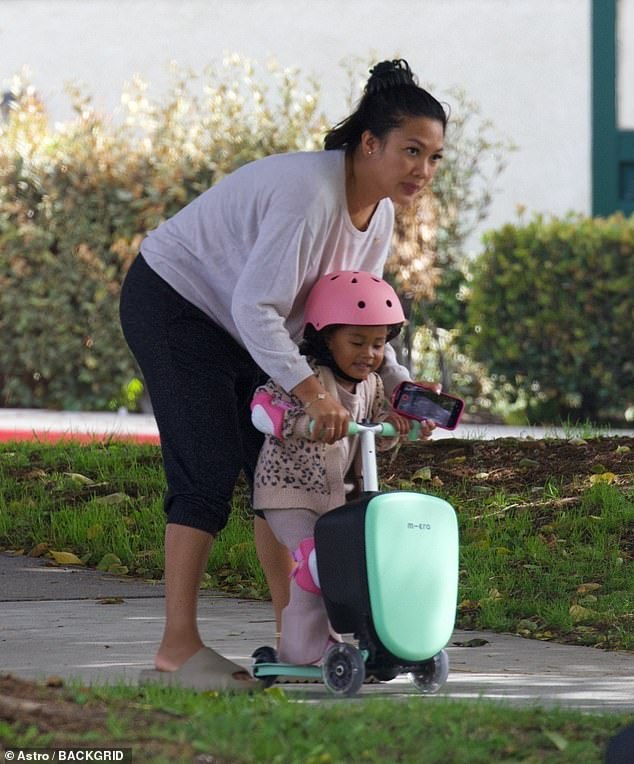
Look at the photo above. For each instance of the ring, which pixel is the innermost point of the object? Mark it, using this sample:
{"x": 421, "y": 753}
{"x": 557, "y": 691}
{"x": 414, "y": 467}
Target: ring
{"x": 330, "y": 428}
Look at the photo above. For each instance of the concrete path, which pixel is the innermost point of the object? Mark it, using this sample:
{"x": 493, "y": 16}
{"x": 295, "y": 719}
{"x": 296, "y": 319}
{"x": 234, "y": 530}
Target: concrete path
{"x": 70, "y": 622}
{"x": 21, "y": 424}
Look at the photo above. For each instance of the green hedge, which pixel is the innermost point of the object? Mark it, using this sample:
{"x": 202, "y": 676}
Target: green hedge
{"x": 551, "y": 313}
{"x": 76, "y": 200}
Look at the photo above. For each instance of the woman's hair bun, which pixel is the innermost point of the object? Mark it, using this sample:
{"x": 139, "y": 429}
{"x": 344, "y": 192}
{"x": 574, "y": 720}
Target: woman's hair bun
{"x": 389, "y": 74}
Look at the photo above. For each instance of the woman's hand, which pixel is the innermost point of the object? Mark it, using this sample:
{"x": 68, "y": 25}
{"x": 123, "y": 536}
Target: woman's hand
{"x": 330, "y": 419}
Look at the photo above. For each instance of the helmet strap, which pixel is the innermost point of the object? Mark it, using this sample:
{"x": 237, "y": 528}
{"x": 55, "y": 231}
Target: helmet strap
{"x": 332, "y": 364}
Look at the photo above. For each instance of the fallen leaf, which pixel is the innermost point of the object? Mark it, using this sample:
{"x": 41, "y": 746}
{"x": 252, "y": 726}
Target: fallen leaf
{"x": 35, "y": 473}
{"x": 526, "y": 462}
{"x": 585, "y": 588}
{"x": 557, "y": 739}
{"x": 472, "y": 643}
{"x": 39, "y": 550}
{"x": 604, "y": 477}
{"x": 424, "y": 473}
{"x": 65, "y": 558}
{"x": 578, "y": 442}
{"x": 622, "y": 449}
{"x": 113, "y": 498}
{"x": 110, "y": 601}
{"x": 108, "y": 561}
{"x": 456, "y": 460}
{"x": 79, "y": 478}
{"x": 579, "y": 613}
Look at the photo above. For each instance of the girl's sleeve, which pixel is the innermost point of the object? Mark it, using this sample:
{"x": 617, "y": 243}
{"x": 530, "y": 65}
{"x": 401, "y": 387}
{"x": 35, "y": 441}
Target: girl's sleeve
{"x": 276, "y": 413}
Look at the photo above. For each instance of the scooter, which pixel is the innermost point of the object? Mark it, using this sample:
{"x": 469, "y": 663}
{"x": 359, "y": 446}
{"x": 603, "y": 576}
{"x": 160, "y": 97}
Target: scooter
{"x": 388, "y": 571}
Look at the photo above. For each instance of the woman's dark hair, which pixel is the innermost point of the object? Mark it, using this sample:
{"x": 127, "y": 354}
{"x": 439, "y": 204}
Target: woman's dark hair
{"x": 391, "y": 94}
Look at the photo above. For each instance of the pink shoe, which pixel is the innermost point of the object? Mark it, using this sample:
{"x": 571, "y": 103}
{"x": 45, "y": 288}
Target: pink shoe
{"x": 305, "y": 574}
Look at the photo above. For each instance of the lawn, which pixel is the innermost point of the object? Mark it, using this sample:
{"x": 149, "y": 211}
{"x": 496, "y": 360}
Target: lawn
{"x": 547, "y": 537}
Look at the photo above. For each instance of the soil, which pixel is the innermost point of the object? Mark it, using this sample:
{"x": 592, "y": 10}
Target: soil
{"x": 508, "y": 464}
{"x": 53, "y": 709}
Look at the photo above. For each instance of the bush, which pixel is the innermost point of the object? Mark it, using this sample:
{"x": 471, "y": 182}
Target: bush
{"x": 551, "y": 314}
{"x": 75, "y": 203}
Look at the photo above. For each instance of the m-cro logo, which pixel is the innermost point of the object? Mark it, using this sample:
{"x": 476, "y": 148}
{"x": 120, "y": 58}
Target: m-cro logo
{"x": 419, "y": 526}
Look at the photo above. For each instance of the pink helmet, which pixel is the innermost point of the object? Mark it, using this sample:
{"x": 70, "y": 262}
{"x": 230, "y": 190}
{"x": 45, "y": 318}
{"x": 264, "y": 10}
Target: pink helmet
{"x": 352, "y": 297}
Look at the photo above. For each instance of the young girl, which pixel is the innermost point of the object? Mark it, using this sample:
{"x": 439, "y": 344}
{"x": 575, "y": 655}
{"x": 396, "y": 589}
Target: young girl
{"x": 213, "y": 306}
{"x": 349, "y": 318}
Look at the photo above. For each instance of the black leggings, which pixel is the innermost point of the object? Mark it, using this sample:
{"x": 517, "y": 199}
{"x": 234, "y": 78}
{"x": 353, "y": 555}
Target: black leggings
{"x": 200, "y": 382}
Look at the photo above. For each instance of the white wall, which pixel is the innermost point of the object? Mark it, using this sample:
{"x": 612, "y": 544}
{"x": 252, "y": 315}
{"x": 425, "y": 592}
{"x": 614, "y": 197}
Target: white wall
{"x": 527, "y": 62}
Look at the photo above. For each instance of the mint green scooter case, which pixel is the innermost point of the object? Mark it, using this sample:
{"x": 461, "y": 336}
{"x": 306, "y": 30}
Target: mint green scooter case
{"x": 411, "y": 548}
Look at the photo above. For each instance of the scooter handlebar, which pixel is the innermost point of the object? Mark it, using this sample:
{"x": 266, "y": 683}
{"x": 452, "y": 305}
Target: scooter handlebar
{"x": 381, "y": 429}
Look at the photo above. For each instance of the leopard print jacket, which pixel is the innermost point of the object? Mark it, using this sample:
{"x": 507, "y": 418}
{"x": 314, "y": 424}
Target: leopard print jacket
{"x": 300, "y": 472}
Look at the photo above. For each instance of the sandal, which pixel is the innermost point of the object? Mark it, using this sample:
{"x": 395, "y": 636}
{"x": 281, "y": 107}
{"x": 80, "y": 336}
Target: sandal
{"x": 207, "y": 671}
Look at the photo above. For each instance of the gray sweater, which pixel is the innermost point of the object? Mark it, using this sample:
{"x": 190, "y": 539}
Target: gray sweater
{"x": 248, "y": 250}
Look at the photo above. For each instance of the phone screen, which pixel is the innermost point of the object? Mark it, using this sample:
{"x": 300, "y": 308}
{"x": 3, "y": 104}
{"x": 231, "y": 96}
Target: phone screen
{"x": 419, "y": 403}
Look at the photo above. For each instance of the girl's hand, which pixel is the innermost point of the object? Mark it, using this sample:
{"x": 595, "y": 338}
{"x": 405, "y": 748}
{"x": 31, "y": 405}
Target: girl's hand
{"x": 426, "y": 429}
{"x": 330, "y": 419}
{"x": 401, "y": 424}
{"x": 426, "y": 425}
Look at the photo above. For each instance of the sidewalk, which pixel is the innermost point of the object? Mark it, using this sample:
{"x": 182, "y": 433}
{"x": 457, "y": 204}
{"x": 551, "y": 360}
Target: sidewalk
{"x": 49, "y": 426}
{"x": 70, "y": 622}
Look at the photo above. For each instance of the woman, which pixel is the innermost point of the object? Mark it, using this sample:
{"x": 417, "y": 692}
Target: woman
{"x": 213, "y": 306}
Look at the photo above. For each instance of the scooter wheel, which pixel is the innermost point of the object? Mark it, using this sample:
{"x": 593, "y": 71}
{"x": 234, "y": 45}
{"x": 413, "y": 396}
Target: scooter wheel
{"x": 432, "y": 675}
{"x": 343, "y": 669}
{"x": 264, "y": 654}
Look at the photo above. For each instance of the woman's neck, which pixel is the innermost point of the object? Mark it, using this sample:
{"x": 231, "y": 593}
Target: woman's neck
{"x": 361, "y": 202}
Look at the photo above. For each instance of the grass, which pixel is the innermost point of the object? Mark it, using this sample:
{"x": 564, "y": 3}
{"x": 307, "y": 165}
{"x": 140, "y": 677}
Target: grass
{"x": 103, "y": 502}
{"x": 166, "y": 725}
{"x": 538, "y": 563}
{"x": 559, "y": 573}
{"x": 535, "y": 561}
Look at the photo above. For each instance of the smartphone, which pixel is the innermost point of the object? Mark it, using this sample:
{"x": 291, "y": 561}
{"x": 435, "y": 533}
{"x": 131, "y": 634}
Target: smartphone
{"x": 412, "y": 400}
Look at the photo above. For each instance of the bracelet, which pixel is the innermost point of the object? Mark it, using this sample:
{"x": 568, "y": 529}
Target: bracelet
{"x": 318, "y": 397}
